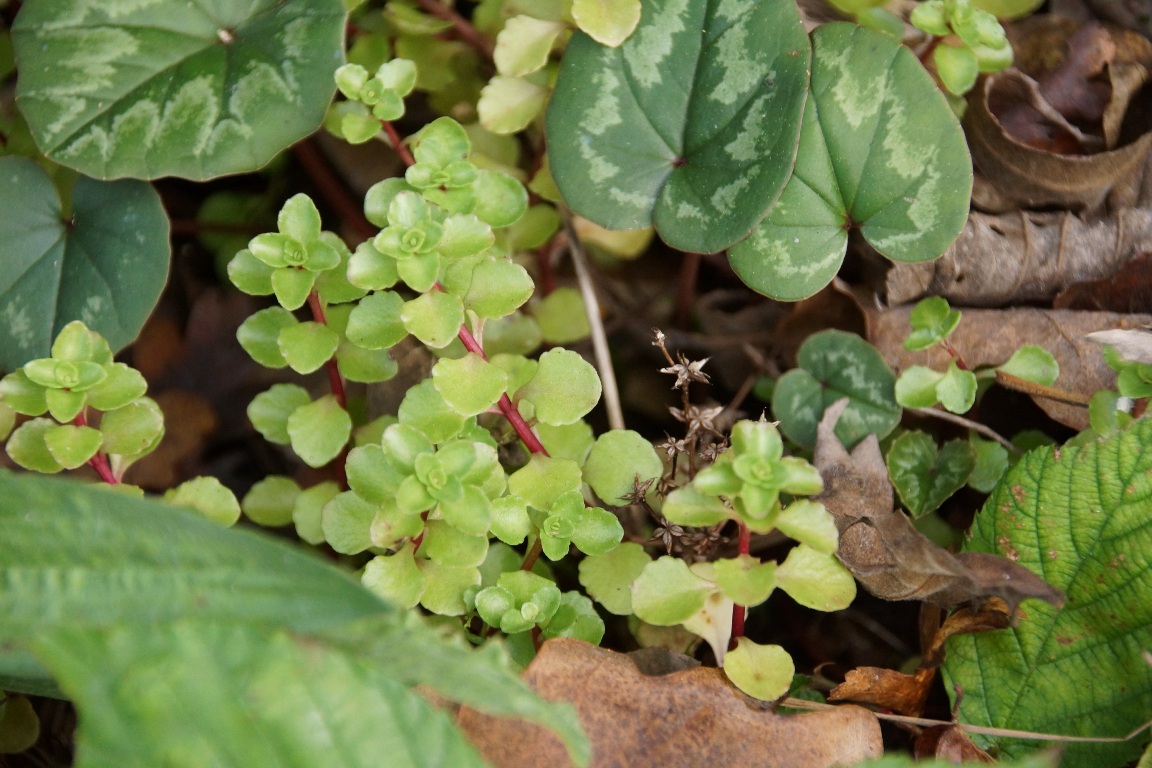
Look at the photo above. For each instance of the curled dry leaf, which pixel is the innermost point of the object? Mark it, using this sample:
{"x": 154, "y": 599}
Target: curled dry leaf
{"x": 1023, "y": 257}
{"x": 949, "y": 742}
{"x": 687, "y": 718}
{"x": 886, "y": 688}
{"x": 989, "y": 337}
{"x": 886, "y": 553}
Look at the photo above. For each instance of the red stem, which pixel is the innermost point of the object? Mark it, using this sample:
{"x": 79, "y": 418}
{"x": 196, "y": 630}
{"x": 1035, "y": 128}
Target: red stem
{"x": 744, "y": 546}
{"x": 951, "y": 350}
{"x": 99, "y": 462}
{"x": 334, "y": 379}
{"x": 398, "y": 143}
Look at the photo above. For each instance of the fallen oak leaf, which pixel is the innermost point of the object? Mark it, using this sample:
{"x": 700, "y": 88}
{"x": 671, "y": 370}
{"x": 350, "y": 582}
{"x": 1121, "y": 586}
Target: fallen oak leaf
{"x": 885, "y": 551}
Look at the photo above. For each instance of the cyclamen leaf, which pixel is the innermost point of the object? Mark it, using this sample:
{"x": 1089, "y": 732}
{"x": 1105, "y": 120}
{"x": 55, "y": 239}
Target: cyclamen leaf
{"x": 691, "y": 125}
{"x": 1079, "y": 517}
{"x": 172, "y": 88}
{"x": 105, "y": 266}
{"x": 880, "y": 150}
{"x": 925, "y": 477}
{"x": 695, "y": 119}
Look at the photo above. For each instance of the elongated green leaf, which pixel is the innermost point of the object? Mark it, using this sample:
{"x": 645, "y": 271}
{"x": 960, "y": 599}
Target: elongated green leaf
{"x": 691, "y": 125}
{"x": 247, "y": 697}
{"x": 74, "y": 555}
{"x": 1079, "y": 517}
{"x": 880, "y": 150}
{"x": 104, "y": 264}
{"x": 172, "y": 88}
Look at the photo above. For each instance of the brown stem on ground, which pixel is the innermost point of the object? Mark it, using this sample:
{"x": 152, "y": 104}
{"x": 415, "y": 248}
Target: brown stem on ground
{"x": 1039, "y": 390}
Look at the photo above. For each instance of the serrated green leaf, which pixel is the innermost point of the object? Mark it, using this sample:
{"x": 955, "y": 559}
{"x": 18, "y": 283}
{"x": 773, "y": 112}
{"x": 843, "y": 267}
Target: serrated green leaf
{"x": 608, "y": 22}
{"x": 1079, "y": 518}
{"x": 270, "y": 501}
{"x": 834, "y": 364}
{"x": 105, "y": 261}
{"x": 609, "y": 577}
{"x": 369, "y": 366}
{"x": 375, "y": 321}
{"x": 121, "y": 386}
{"x": 269, "y": 411}
{"x": 395, "y": 577}
{"x": 816, "y": 579}
{"x": 209, "y": 497}
{"x": 620, "y": 462}
{"x": 810, "y": 523}
{"x": 925, "y": 477}
{"x": 564, "y": 388}
{"x": 346, "y": 520}
{"x": 667, "y": 593}
{"x": 173, "y": 88}
{"x": 762, "y": 671}
{"x": 319, "y": 430}
{"x": 423, "y": 407}
{"x": 694, "y": 120}
{"x": 867, "y": 160}
{"x": 498, "y": 288}
{"x": 916, "y": 387}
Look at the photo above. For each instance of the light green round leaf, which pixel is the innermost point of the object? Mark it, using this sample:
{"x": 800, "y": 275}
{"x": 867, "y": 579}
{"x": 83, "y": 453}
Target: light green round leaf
{"x": 71, "y": 446}
{"x": 597, "y": 532}
{"x": 1078, "y": 518}
{"x": 510, "y": 522}
{"x": 916, "y": 387}
{"x": 447, "y": 544}
{"x": 543, "y": 480}
{"x": 499, "y": 287}
{"x": 816, "y": 579}
{"x": 500, "y": 199}
{"x": 369, "y": 366}
{"x": 667, "y": 593}
{"x": 270, "y": 501}
{"x": 308, "y": 510}
{"x": 569, "y": 441}
{"x": 104, "y": 262}
{"x": 1032, "y": 363}
{"x": 27, "y": 448}
{"x": 434, "y": 318}
{"x": 957, "y": 67}
{"x": 608, "y": 22}
{"x": 991, "y": 463}
{"x": 121, "y": 386}
{"x": 23, "y": 395}
{"x": 923, "y": 477}
{"x": 209, "y": 497}
{"x": 346, "y": 520}
{"x": 744, "y": 579}
{"x": 880, "y": 150}
{"x": 259, "y": 335}
{"x": 609, "y": 577}
{"x": 319, "y": 430}
{"x": 932, "y": 319}
{"x": 424, "y": 408}
{"x": 565, "y": 388}
{"x": 834, "y": 364}
{"x": 762, "y": 671}
{"x": 395, "y": 577}
{"x": 445, "y": 586}
{"x": 269, "y": 410}
{"x": 562, "y": 317}
{"x": 620, "y": 462}
{"x": 809, "y": 523}
{"x": 576, "y": 617}
{"x": 523, "y": 45}
{"x": 375, "y": 322}
{"x": 173, "y": 88}
{"x": 957, "y": 390}
{"x": 688, "y": 506}
{"x": 470, "y": 384}
{"x": 307, "y": 346}
{"x": 512, "y": 334}
{"x": 133, "y": 430}
{"x": 508, "y": 104}
{"x": 691, "y": 125}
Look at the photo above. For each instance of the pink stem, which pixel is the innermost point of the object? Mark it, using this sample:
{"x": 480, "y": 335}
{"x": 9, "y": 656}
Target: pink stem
{"x": 398, "y": 144}
{"x": 99, "y": 462}
{"x": 334, "y": 379}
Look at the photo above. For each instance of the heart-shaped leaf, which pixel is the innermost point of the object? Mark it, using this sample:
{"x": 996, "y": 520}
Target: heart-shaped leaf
{"x": 105, "y": 263}
{"x": 834, "y": 364}
{"x": 880, "y": 150}
{"x": 1078, "y": 516}
{"x": 172, "y": 88}
{"x": 925, "y": 477}
{"x": 691, "y": 125}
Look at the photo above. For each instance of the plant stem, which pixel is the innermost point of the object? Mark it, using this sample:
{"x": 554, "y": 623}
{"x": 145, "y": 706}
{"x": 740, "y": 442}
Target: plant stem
{"x": 335, "y": 381}
{"x": 951, "y": 350}
{"x": 1039, "y": 390}
{"x": 743, "y": 547}
{"x": 99, "y": 462}
{"x": 976, "y": 426}
{"x": 466, "y": 31}
{"x": 533, "y": 553}
{"x": 523, "y": 431}
{"x": 398, "y": 143}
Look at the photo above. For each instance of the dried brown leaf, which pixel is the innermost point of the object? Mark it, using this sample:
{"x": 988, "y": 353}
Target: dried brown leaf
{"x": 684, "y": 719}
{"x": 989, "y": 337}
{"x": 1134, "y": 344}
{"x": 886, "y": 688}
{"x": 1023, "y": 257}
{"x": 950, "y": 743}
{"x": 886, "y": 553}
{"x": 1128, "y": 290}
{"x": 990, "y": 616}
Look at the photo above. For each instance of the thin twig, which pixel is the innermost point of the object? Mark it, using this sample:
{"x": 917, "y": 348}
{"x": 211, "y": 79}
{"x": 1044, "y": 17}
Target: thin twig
{"x": 988, "y": 432}
{"x": 596, "y": 324}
